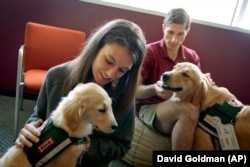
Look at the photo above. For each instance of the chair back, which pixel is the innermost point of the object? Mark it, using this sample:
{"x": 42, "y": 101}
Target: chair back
{"x": 46, "y": 46}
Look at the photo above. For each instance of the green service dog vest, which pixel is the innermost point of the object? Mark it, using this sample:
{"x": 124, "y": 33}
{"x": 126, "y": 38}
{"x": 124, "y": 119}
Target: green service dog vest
{"x": 53, "y": 140}
{"x": 218, "y": 115}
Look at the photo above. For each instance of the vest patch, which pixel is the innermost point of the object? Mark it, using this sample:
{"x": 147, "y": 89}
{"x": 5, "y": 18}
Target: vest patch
{"x": 218, "y": 115}
{"x": 46, "y": 145}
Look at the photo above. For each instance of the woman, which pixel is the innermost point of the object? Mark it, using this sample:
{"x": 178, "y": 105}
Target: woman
{"x": 112, "y": 58}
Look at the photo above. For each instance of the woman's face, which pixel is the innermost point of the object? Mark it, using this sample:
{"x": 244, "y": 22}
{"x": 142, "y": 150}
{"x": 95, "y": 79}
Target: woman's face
{"x": 111, "y": 63}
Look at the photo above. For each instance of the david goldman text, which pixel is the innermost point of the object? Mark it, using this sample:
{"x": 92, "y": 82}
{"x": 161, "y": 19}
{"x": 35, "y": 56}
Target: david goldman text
{"x": 189, "y": 158}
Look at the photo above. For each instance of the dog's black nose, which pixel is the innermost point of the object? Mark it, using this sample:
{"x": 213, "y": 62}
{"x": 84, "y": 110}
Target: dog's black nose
{"x": 114, "y": 127}
{"x": 165, "y": 77}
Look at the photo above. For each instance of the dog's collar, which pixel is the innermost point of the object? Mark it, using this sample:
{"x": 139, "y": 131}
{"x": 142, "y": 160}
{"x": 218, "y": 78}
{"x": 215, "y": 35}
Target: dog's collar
{"x": 217, "y": 115}
{"x": 53, "y": 140}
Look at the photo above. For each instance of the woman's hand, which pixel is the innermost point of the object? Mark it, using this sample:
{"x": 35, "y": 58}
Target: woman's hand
{"x": 29, "y": 134}
{"x": 162, "y": 93}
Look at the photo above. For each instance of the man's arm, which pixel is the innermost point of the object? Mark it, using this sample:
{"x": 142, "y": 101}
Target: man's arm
{"x": 145, "y": 91}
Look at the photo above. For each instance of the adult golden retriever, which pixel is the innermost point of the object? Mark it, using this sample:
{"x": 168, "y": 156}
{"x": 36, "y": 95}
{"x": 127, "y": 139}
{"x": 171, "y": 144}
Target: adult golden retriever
{"x": 189, "y": 84}
{"x": 86, "y": 107}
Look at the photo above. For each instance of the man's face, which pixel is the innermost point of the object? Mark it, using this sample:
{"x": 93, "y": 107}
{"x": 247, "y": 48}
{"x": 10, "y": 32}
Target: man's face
{"x": 174, "y": 35}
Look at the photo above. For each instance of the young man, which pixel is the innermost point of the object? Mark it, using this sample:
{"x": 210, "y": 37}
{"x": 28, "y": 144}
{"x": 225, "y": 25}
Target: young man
{"x": 154, "y": 105}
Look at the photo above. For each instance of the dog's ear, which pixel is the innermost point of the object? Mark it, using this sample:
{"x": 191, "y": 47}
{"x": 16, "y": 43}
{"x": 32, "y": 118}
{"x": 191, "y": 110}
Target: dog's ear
{"x": 73, "y": 115}
{"x": 201, "y": 89}
{"x": 209, "y": 80}
{"x": 199, "y": 92}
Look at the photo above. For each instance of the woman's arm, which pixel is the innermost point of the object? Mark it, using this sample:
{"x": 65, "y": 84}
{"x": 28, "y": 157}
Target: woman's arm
{"x": 47, "y": 100}
{"x": 50, "y": 94}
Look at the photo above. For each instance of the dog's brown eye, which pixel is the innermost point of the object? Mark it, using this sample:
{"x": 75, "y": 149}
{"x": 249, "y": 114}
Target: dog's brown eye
{"x": 103, "y": 109}
{"x": 185, "y": 75}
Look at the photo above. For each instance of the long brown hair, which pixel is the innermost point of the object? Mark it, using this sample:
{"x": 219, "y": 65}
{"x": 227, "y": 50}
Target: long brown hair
{"x": 125, "y": 33}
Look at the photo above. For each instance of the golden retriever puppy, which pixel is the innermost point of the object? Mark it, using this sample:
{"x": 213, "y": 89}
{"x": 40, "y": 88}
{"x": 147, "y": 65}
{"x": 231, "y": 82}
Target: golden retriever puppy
{"x": 189, "y": 84}
{"x": 86, "y": 107}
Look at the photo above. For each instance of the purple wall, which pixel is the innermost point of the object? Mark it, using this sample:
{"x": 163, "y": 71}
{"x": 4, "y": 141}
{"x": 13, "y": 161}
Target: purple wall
{"x": 224, "y": 53}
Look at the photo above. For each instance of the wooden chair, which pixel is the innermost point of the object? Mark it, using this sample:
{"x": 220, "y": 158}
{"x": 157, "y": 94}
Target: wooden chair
{"x": 44, "y": 46}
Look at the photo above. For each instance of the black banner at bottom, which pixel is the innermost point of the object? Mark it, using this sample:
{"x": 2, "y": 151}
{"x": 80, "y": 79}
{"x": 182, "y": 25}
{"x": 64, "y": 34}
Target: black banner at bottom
{"x": 201, "y": 158}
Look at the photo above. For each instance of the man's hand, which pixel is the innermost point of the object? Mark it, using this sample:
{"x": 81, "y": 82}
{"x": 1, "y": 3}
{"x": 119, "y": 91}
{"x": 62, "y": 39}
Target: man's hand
{"x": 162, "y": 93}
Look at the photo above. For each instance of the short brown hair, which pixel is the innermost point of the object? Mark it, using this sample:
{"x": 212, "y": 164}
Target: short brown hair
{"x": 177, "y": 16}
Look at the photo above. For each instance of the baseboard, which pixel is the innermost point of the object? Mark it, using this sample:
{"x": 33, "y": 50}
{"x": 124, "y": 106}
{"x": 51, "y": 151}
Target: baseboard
{"x": 11, "y": 93}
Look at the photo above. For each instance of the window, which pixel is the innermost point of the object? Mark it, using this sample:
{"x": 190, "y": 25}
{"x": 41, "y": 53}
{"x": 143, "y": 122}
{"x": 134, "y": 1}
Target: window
{"x": 223, "y": 13}
{"x": 242, "y": 15}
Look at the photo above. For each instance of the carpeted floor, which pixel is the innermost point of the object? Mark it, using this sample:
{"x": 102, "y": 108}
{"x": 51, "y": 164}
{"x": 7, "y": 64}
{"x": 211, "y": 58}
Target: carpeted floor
{"x": 7, "y": 106}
